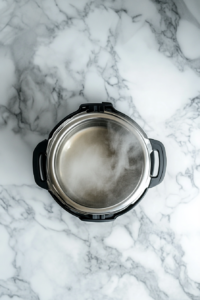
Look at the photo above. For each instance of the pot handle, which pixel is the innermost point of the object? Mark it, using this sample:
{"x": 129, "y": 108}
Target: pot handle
{"x": 159, "y": 147}
{"x": 39, "y": 164}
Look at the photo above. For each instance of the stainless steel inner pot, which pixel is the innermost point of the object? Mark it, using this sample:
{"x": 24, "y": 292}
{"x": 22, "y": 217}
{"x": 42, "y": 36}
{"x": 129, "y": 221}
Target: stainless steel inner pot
{"x": 90, "y": 133}
{"x": 97, "y": 163}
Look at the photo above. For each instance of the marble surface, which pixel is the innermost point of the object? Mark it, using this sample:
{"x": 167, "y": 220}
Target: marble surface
{"x": 144, "y": 57}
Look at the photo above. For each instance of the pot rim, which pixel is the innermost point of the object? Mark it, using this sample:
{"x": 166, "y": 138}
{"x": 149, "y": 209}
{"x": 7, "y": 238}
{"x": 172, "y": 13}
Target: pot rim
{"x": 67, "y": 126}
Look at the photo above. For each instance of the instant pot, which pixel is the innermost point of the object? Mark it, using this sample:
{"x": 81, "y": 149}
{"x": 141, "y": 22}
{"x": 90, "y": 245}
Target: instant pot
{"x": 86, "y": 131}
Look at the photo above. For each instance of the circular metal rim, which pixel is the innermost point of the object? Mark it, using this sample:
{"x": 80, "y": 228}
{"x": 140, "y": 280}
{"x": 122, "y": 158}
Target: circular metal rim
{"x": 65, "y": 127}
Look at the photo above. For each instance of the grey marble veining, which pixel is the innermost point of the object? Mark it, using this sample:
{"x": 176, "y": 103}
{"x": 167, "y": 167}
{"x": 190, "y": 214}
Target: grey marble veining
{"x": 144, "y": 57}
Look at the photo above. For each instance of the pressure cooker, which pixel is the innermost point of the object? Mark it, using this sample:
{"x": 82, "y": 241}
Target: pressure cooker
{"x": 98, "y": 163}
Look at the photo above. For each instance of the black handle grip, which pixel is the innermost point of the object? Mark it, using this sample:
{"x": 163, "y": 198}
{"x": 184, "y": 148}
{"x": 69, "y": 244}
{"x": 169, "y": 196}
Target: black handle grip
{"x": 40, "y": 151}
{"x": 158, "y": 146}
{"x": 97, "y": 107}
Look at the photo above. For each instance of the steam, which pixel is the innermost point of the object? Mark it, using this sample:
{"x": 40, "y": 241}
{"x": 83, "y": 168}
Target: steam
{"x": 102, "y": 166}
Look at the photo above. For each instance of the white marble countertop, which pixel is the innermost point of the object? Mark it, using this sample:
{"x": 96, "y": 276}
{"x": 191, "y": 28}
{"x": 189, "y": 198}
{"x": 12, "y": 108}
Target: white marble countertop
{"x": 144, "y": 57}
